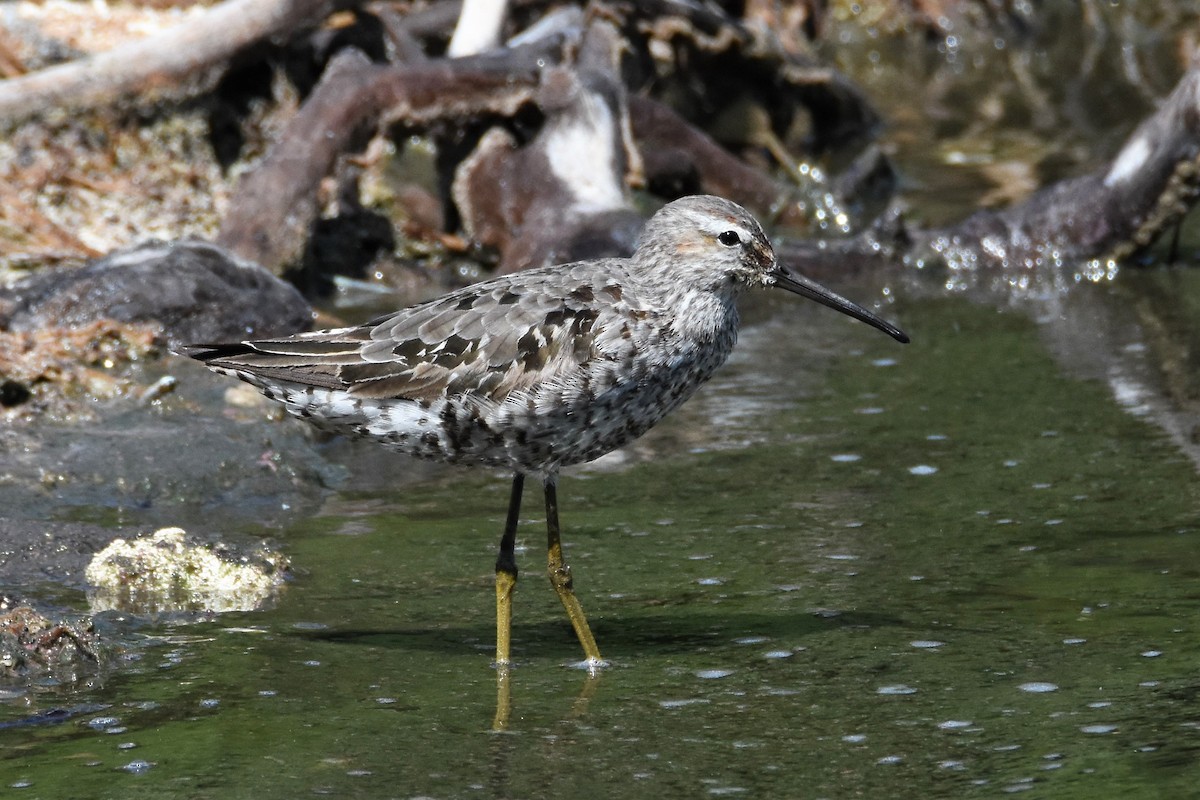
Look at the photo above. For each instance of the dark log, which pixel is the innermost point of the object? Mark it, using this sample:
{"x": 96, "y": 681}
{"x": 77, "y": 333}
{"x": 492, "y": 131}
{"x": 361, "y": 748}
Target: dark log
{"x": 1106, "y": 216}
{"x": 672, "y": 150}
{"x": 1075, "y": 230}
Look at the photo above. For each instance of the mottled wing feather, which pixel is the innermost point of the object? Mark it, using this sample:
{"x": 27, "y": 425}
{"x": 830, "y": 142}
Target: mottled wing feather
{"x": 490, "y": 339}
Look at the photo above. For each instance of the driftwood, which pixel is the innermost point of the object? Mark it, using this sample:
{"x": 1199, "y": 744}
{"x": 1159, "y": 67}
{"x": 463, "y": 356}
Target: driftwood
{"x": 563, "y": 196}
{"x": 1074, "y": 230}
{"x": 681, "y": 159}
{"x": 171, "y": 58}
{"x": 277, "y": 202}
{"x": 513, "y": 195}
{"x": 1112, "y": 213}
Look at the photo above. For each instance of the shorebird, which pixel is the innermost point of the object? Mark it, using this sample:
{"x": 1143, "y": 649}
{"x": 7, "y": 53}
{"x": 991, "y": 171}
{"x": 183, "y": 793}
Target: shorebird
{"x": 537, "y": 370}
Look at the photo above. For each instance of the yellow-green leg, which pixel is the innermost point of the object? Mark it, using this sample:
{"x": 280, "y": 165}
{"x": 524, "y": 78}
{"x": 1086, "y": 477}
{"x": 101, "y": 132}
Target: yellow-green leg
{"x": 560, "y": 578}
{"x": 506, "y": 576}
{"x": 503, "y": 699}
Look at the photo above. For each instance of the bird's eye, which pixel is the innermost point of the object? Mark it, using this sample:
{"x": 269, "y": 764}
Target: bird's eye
{"x": 729, "y": 238}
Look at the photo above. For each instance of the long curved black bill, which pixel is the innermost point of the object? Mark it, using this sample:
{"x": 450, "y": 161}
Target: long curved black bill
{"x": 795, "y": 282}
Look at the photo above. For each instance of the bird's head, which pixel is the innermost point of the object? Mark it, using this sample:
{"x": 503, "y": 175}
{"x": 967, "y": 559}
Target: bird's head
{"x": 710, "y": 243}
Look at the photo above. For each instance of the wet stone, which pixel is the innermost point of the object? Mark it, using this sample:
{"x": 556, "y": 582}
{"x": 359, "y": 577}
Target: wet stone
{"x": 193, "y": 289}
{"x": 34, "y": 647}
{"x": 171, "y": 571}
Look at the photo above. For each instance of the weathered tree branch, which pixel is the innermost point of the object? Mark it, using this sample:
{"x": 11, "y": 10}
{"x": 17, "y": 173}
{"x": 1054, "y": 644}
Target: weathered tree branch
{"x": 1104, "y": 216}
{"x": 171, "y": 58}
{"x": 563, "y": 195}
{"x": 275, "y": 203}
{"x": 1108, "y": 215}
{"x": 676, "y": 152}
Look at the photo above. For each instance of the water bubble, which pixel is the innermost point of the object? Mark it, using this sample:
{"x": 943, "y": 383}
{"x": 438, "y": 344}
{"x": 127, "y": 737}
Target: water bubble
{"x": 854, "y": 738}
{"x": 138, "y": 767}
{"x": 845, "y": 458}
{"x": 922, "y": 469}
{"x": 954, "y": 724}
{"x": 886, "y": 760}
{"x": 750, "y": 640}
{"x": 692, "y": 701}
{"x": 1038, "y": 687}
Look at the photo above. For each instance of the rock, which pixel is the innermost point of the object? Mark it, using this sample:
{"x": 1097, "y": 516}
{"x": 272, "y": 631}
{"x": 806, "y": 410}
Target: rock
{"x": 195, "y": 290}
{"x": 33, "y": 647}
{"x": 170, "y": 571}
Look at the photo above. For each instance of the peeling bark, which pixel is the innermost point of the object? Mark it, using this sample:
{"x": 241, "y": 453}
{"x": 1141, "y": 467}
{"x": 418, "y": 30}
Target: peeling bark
{"x": 563, "y": 196}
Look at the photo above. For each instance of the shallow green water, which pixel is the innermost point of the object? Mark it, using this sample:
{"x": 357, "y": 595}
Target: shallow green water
{"x": 847, "y": 568}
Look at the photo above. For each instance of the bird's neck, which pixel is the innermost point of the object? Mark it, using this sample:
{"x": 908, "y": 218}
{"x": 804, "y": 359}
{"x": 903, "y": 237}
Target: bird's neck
{"x": 703, "y": 316}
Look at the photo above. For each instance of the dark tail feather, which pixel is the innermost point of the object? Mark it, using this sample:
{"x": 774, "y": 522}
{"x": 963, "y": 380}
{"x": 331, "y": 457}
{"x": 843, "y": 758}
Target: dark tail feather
{"x": 212, "y": 352}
